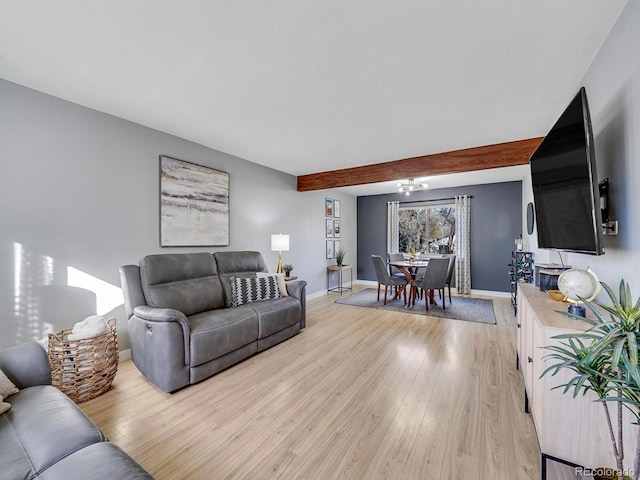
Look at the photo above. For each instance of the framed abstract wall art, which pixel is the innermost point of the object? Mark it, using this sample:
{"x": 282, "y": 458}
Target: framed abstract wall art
{"x": 194, "y": 205}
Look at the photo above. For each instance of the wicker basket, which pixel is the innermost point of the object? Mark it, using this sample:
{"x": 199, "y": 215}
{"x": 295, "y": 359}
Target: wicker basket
{"x": 84, "y": 369}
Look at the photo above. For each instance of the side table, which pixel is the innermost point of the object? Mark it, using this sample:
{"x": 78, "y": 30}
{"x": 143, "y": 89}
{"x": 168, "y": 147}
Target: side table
{"x": 340, "y": 288}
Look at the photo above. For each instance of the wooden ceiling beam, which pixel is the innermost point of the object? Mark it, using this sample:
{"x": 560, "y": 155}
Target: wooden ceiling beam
{"x": 469, "y": 159}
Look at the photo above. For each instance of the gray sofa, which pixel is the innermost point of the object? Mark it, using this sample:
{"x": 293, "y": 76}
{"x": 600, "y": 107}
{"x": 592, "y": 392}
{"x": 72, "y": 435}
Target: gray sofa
{"x": 45, "y": 435}
{"x": 182, "y": 325}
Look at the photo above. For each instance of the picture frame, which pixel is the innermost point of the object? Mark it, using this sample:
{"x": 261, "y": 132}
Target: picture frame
{"x": 336, "y": 247}
{"x": 328, "y": 207}
{"x": 329, "y": 228}
{"x": 336, "y": 208}
{"x": 330, "y": 250}
{"x": 336, "y": 228}
{"x": 194, "y": 204}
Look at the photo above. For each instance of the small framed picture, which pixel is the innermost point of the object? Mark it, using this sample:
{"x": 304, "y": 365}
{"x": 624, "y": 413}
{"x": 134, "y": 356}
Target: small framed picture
{"x": 329, "y": 228}
{"x": 336, "y": 228}
{"x": 328, "y": 207}
{"x": 336, "y": 247}
{"x": 336, "y": 208}
{"x": 330, "y": 251}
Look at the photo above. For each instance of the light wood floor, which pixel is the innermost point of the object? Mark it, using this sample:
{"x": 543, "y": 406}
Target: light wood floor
{"x": 359, "y": 394}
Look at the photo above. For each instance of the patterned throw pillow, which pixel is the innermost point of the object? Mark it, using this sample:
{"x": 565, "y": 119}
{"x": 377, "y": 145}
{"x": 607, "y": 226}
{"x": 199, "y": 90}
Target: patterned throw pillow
{"x": 6, "y": 386}
{"x": 282, "y": 285}
{"x": 253, "y": 289}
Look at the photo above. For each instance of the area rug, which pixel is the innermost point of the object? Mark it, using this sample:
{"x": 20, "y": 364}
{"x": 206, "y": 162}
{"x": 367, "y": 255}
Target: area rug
{"x": 461, "y": 308}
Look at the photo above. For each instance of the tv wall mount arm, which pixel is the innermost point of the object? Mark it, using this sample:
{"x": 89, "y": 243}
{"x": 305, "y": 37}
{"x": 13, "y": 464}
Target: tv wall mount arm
{"x": 610, "y": 227}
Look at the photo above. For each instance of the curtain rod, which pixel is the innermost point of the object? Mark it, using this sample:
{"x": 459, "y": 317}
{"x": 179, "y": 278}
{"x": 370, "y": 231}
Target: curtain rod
{"x": 434, "y": 200}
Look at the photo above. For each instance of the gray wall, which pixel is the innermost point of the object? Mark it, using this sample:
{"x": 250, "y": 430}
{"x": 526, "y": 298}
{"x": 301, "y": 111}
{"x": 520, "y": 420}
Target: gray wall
{"x": 496, "y": 219}
{"x": 612, "y": 82}
{"x": 80, "y": 196}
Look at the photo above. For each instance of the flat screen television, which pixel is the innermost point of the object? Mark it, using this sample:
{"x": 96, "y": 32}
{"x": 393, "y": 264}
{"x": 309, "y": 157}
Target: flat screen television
{"x": 565, "y": 184}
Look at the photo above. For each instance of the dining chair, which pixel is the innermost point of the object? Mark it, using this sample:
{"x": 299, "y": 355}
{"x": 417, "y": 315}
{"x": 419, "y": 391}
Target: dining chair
{"x": 451, "y": 268}
{"x": 435, "y": 278}
{"x": 382, "y": 274}
{"x": 393, "y": 271}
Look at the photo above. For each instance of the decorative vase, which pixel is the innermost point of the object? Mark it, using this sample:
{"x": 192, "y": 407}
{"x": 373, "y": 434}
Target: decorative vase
{"x": 577, "y": 310}
{"x": 287, "y": 273}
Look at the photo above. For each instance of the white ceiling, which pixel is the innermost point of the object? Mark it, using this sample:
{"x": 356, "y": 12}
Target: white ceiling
{"x": 309, "y": 86}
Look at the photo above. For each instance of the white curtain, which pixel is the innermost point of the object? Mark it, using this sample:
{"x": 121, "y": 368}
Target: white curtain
{"x": 393, "y": 238}
{"x": 463, "y": 253}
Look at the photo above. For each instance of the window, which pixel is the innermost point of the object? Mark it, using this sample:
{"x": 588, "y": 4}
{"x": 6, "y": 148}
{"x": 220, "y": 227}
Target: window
{"x": 427, "y": 229}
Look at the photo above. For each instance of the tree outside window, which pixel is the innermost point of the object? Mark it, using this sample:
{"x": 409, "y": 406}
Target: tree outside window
{"x": 427, "y": 229}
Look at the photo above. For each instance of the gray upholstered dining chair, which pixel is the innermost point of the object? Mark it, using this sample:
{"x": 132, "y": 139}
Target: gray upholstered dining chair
{"x": 393, "y": 271}
{"x": 435, "y": 278}
{"x": 451, "y": 268}
{"x": 382, "y": 274}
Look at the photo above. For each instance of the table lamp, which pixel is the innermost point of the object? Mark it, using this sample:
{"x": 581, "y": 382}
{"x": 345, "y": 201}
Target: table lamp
{"x": 279, "y": 243}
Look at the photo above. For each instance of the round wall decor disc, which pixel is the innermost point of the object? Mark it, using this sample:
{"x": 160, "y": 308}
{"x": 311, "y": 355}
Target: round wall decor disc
{"x": 530, "y": 218}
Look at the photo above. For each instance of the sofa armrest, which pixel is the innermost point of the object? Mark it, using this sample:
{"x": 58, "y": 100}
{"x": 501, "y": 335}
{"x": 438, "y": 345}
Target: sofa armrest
{"x": 295, "y": 288}
{"x": 298, "y": 289}
{"x": 154, "y": 314}
{"x": 164, "y": 315}
{"x": 26, "y": 365}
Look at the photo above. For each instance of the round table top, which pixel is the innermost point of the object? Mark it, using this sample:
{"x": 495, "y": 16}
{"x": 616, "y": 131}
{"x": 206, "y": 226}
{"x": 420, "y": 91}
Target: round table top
{"x": 408, "y": 263}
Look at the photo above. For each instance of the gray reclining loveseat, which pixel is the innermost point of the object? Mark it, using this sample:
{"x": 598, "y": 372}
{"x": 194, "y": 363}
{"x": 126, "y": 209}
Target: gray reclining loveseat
{"x": 183, "y": 324}
{"x": 45, "y": 435}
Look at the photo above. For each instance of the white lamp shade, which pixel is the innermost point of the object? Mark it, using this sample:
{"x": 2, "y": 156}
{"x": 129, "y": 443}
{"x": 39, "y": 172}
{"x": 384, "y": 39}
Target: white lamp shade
{"x": 279, "y": 243}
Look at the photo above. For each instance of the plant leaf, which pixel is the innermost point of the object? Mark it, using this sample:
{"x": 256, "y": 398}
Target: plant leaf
{"x": 633, "y": 348}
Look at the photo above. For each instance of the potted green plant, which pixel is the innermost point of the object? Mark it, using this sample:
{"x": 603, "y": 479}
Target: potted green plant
{"x": 605, "y": 360}
{"x": 340, "y": 256}
{"x": 287, "y": 267}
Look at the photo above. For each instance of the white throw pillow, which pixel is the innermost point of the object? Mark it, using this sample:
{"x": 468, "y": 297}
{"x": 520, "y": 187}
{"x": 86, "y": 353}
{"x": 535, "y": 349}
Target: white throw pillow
{"x": 282, "y": 285}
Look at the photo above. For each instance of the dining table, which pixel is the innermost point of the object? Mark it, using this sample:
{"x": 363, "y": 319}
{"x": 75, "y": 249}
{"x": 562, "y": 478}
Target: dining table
{"x": 411, "y": 269}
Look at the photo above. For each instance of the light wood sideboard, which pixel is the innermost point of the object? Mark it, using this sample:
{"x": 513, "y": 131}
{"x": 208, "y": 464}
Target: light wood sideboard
{"x": 572, "y": 430}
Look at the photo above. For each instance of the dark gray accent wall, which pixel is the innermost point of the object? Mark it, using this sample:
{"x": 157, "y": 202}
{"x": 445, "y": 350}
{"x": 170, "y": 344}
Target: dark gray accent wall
{"x": 496, "y": 221}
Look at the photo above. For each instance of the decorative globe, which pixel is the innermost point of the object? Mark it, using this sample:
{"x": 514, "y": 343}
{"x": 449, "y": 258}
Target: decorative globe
{"x": 575, "y": 284}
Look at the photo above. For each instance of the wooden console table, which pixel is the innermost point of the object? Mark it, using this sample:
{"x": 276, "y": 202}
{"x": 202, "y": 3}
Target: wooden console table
{"x": 570, "y": 430}
{"x": 340, "y": 288}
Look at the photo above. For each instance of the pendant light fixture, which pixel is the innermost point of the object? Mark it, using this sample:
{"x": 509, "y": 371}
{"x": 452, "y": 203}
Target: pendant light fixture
{"x": 411, "y": 186}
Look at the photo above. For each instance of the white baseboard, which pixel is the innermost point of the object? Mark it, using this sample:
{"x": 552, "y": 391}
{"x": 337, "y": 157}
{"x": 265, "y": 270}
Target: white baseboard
{"x": 125, "y": 355}
{"x": 489, "y": 293}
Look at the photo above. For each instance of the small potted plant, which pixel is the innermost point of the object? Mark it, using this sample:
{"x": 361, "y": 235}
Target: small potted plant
{"x": 340, "y": 257}
{"x": 287, "y": 269}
